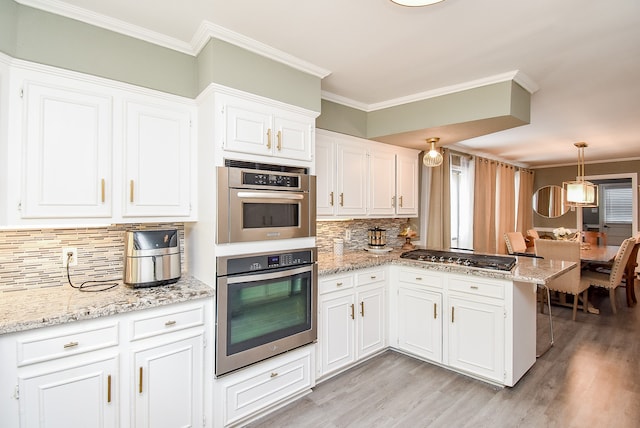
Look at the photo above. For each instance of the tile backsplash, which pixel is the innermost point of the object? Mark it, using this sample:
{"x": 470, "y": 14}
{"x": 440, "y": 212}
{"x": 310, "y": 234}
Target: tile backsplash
{"x": 327, "y": 231}
{"x": 33, "y": 258}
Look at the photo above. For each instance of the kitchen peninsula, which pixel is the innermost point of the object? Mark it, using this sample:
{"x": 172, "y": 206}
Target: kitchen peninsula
{"x": 478, "y": 322}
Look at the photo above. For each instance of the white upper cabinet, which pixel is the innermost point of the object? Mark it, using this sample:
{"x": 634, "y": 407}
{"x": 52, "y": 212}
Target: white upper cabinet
{"x": 260, "y": 129}
{"x": 82, "y": 150}
{"x": 362, "y": 178}
{"x": 157, "y": 159}
{"x": 68, "y": 139}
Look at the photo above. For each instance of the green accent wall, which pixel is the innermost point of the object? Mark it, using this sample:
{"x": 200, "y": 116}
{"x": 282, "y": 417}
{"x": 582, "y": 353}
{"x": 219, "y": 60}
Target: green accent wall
{"x": 340, "y": 118}
{"x": 226, "y": 64}
{"x": 485, "y": 102}
{"x": 41, "y": 37}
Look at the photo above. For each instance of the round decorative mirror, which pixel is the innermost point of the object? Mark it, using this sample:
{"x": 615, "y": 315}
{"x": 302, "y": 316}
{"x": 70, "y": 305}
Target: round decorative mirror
{"x": 548, "y": 201}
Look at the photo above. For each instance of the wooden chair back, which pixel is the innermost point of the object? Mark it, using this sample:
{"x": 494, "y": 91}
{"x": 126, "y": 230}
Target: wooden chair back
{"x": 594, "y": 238}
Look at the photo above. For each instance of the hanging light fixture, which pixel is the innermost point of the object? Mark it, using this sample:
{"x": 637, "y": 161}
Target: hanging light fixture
{"x": 413, "y": 3}
{"x": 433, "y": 157}
{"x": 580, "y": 193}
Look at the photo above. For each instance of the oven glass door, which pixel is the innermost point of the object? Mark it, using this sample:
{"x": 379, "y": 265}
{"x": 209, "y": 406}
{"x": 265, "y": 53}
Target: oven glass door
{"x": 269, "y": 209}
{"x": 262, "y": 315}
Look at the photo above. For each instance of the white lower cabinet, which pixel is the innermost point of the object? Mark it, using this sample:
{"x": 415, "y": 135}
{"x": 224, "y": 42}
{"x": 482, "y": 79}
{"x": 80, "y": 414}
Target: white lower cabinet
{"x": 248, "y": 393}
{"x": 352, "y": 322}
{"x": 142, "y": 369}
{"x": 420, "y": 322}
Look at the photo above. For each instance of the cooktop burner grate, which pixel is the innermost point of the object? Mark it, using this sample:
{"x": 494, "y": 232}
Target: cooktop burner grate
{"x": 483, "y": 261}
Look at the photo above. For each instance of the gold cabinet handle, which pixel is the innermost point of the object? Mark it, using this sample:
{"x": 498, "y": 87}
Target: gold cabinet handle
{"x": 418, "y": 278}
{"x": 338, "y": 284}
{"x": 400, "y": 201}
{"x": 453, "y": 313}
{"x": 393, "y": 201}
{"x": 102, "y": 184}
{"x": 331, "y": 198}
{"x": 373, "y": 277}
{"x": 279, "y": 140}
{"x": 140, "y": 384}
{"x": 353, "y": 315}
{"x": 109, "y": 389}
{"x": 170, "y": 323}
{"x": 70, "y": 345}
{"x": 435, "y": 312}
{"x": 474, "y": 287}
{"x": 342, "y": 199}
{"x": 269, "y": 138}
{"x": 362, "y": 309}
{"x": 131, "y": 191}
{"x": 274, "y": 374}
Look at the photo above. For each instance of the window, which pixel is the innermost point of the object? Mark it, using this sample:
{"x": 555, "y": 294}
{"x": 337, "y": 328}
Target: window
{"x": 461, "y": 194}
{"x": 617, "y": 203}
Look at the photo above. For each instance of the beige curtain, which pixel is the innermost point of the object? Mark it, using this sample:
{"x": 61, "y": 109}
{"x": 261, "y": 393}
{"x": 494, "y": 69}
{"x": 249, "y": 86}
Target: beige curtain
{"x": 505, "y": 205}
{"x": 439, "y": 217}
{"x": 524, "y": 220}
{"x": 484, "y": 209}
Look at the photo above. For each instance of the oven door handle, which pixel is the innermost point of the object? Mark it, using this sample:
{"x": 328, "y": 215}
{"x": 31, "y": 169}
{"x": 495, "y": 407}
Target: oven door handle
{"x": 268, "y": 275}
{"x": 265, "y": 195}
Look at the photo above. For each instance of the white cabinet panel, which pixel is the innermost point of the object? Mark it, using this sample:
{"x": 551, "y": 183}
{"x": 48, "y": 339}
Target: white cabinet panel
{"x": 325, "y": 176}
{"x": 337, "y": 331}
{"x": 157, "y": 159}
{"x": 382, "y": 181}
{"x": 420, "y": 322}
{"x": 67, "y": 167}
{"x": 351, "y": 179}
{"x": 371, "y": 320}
{"x": 407, "y": 200}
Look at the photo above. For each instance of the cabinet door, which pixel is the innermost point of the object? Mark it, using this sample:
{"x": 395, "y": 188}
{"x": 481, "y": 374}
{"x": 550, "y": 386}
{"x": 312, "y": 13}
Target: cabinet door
{"x": 82, "y": 395}
{"x": 326, "y": 175}
{"x": 352, "y": 179}
{"x": 476, "y": 337}
{"x": 407, "y": 185}
{"x": 169, "y": 384}
{"x": 337, "y": 331}
{"x": 420, "y": 322}
{"x": 371, "y": 320}
{"x": 382, "y": 183}
{"x": 157, "y": 160}
{"x": 293, "y": 135}
{"x": 248, "y": 128}
{"x": 67, "y": 172}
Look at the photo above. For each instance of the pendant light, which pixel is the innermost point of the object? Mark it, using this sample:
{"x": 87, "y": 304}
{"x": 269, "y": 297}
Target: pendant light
{"x": 433, "y": 157}
{"x": 580, "y": 193}
{"x": 414, "y": 3}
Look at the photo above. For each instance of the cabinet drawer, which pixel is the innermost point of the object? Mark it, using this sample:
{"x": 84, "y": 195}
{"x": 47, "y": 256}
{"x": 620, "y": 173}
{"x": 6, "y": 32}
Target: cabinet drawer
{"x": 261, "y": 386}
{"x": 420, "y": 277}
{"x": 166, "y": 321}
{"x": 65, "y": 343}
{"x": 335, "y": 283}
{"x": 371, "y": 276}
{"x": 479, "y": 288}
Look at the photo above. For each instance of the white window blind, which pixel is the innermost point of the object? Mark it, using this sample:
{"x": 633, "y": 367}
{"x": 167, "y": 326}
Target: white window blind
{"x": 617, "y": 204}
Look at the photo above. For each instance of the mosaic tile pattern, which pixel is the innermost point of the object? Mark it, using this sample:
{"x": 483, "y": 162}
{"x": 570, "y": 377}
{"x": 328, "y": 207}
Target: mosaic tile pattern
{"x": 33, "y": 258}
{"x": 327, "y": 231}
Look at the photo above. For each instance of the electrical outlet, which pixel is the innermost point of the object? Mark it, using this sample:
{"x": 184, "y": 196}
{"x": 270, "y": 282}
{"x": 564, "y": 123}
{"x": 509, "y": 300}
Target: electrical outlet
{"x": 73, "y": 260}
{"x": 347, "y": 235}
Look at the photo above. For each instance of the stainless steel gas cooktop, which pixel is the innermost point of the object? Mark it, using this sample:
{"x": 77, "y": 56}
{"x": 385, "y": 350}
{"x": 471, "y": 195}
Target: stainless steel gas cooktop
{"x": 482, "y": 261}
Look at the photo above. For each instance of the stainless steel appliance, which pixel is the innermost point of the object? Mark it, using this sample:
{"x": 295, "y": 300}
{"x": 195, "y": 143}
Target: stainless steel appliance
{"x": 468, "y": 259}
{"x": 266, "y": 304}
{"x": 258, "y": 202}
{"x": 152, "y": 257}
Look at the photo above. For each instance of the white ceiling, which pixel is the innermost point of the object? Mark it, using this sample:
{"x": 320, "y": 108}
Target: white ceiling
{"x": 584, "y": 56}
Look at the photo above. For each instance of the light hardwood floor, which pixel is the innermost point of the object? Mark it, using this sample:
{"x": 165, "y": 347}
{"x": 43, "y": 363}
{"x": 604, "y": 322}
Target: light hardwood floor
{"x": 590, "y": 378}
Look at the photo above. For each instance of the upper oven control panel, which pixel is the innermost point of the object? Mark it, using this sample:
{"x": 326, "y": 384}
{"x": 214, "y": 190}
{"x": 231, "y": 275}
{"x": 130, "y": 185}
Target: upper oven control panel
{"x": 277, "y": 180}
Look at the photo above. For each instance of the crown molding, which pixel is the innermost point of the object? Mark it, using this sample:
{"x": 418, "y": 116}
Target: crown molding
{"x": 517, "y": 76}
{"x": 209, "y": 30}
{"x": 108, "y": 23}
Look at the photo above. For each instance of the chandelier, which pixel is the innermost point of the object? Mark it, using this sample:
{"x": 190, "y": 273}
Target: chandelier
{"x": 413, "y": 3}
{"x": 580, "y": 193}
{"x": 433, "y": 157}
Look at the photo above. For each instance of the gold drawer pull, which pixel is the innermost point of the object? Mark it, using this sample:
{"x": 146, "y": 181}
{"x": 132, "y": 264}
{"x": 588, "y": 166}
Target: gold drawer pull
{"x": 102, "y": 184}
{"x": 362, "y": 309}
{"x": 279, "y": 140}
{"x": 418, "y": 278}
{"x": 140, "y": 385}
{"x": 331, "y": 198}
{"x": 453, "y": 313}
{"x": 269, "y": 138}
{"x": 400, "y": 201}
{"x": 109, "y": 389}
{"x": 131, "y": 191}
{"x": 435, "y": 312}
{"x": 338, "y": 284}
{"x": 353, "y": 309}
{"x": 170, "y": 323}
{"x": 274, "y": 374}
{"x": 342, "y": 199}
{"x": 70, "y": 345}
{"x": 474, "y": 287}
{"x": 373, "y": 277}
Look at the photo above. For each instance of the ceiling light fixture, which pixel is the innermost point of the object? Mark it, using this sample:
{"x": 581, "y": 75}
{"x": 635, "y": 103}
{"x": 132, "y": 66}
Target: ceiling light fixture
{"x": 415, "y": 3}
{"x": 433, "y": 157}
{"x": 580, "y": 193}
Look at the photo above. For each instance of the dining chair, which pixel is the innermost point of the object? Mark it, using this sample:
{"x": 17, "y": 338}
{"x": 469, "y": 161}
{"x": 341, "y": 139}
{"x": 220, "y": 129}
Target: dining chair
{"x": 611, "y": 280}
{"x": 569, "y": 282}
{"x": 516, "y": 244}
{"x": 594, "y": 238}
{"x": 533, "y": 233}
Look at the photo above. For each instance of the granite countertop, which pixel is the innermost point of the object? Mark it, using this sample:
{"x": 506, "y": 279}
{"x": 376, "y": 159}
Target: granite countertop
{"x": 42, "y": 307}
{"x": 527, "y": 269}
